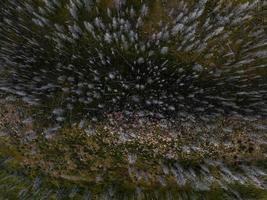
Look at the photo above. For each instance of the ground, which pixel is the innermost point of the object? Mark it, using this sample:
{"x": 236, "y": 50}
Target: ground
{"x": 133, "y": 157}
